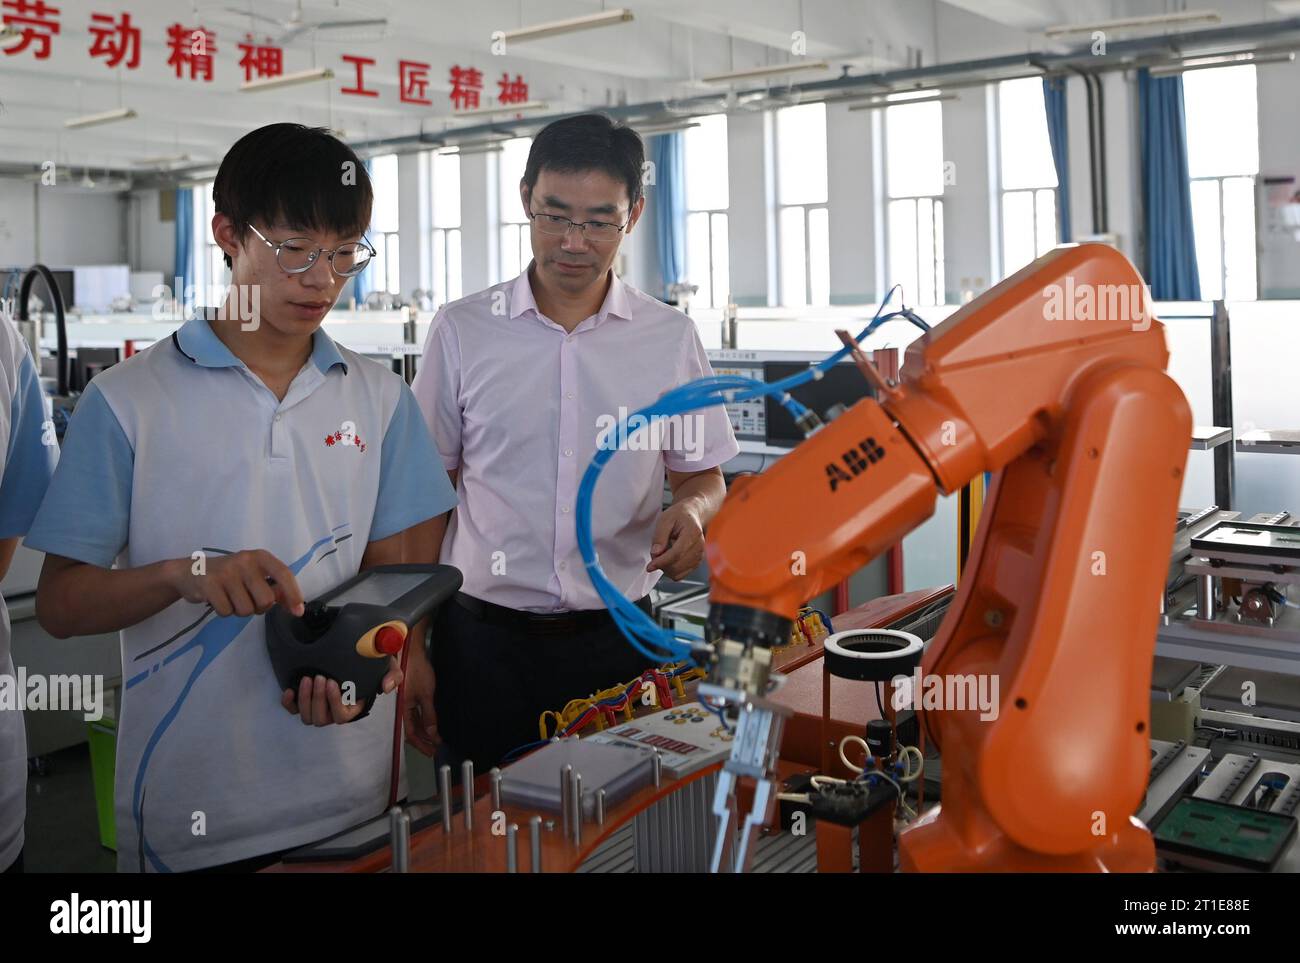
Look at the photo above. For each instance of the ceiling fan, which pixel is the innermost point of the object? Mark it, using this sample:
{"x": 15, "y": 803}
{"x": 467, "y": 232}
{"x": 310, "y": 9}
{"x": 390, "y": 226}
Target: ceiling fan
{"x": 295, "y": 25}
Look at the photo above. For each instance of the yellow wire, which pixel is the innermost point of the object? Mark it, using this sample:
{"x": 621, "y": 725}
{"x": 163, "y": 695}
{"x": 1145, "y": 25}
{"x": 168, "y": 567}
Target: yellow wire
{"x": 574, "y": 708}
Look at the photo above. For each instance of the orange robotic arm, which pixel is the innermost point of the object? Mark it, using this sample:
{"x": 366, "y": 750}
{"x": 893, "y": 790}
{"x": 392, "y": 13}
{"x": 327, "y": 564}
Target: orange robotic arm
{"x": 1055, "y": 381}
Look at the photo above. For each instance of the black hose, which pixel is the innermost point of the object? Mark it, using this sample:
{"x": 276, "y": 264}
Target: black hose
{"x": 56, "y": 297}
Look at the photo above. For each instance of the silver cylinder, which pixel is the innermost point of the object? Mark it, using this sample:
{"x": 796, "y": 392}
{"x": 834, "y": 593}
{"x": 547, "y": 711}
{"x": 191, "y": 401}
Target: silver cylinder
{"x": 600, "y": 807}
{"x": 657, "y": 768}
{"x": 1205, "y": 597}
{"x": 467, "y": 792}
{"x": 566, "y": 797}
{"x": 494, "y": 774}
{"x": 400, "y": 854}
{"x": 535, "y": 842}
{"x": 576, "y": 818}
{"x": 402, "y": 864}
{"x": 512, "y": 851}
{"x": 444, "y": 796}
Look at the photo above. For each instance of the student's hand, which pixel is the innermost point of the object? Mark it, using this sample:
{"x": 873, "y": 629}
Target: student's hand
{"x": 678, "y": 542}
{"x": 245, "y": 583}
{"x": 421, "y": 724}
{"x": 319, "y": 701}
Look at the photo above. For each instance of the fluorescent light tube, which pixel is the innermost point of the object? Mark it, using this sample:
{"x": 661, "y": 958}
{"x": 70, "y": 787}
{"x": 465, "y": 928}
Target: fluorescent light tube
{"x": 106, "y": 117}
{"x": 606, "y": 18}
{"x": 768, "y": 71}
{"x": 287, "y": 80}
{"x": 1183, "y": 19}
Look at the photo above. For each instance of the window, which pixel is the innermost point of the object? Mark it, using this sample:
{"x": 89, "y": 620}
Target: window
{"x": 1028, "y": 174}
{"x": 707, "y": 202}
{"x": 385, "y": 272}
{"x": 1223, "y": 161}
{"x": 516, "y": 240}
{"x": 914, "y": 175}
{"x": 803, "y": 227}
{"x": 445, "y": 240}
{"x": 210, "y": 272}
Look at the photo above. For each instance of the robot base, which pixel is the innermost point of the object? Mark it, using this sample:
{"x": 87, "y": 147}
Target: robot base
{"x": 930, "y": 845}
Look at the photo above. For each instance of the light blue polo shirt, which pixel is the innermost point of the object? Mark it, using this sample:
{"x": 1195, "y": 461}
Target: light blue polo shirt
{"x": 28, "y": 451}
{"x": 181, "y": 449}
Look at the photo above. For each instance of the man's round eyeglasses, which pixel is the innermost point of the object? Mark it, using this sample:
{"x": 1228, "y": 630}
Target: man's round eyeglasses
{"x": 558, "y": 226}
{"x": 296, "y": 255}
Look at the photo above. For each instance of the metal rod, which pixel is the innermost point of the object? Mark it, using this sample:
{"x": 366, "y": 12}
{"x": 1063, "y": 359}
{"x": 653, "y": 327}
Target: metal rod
{"x": 535, "y": 842}
{"x": 404, "y": 851}
{"x": 1205, "y": 597}
{"x": 576, "y": 798}
{"x": 657, "y": 768}
{"x": 600, "y": 807}
{"x": 467, "y": 792}
{"x": 566, "y": 788}
{"x": 444, "y": 796}
{"x": 512, "y": 851}
{"x": 1221, "y": 404}
{"x": 399, "y": 839}
{"x": 494, "y": 774}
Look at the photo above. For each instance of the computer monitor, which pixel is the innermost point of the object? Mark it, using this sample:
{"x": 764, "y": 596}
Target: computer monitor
{"x": 63, "y": 280}
{"x": 842, "y": 384}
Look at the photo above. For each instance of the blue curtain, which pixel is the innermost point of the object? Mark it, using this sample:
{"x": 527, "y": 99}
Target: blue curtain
{"x": 183, "y": 268}
{"x": 1054, "y": 101}
{"x": 666, "y": 150}
{"x": 361, "y": 285}
{"x": 1166, "y": 190}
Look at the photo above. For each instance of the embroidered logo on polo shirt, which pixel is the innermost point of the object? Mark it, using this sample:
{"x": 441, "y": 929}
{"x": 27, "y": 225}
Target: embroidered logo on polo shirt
{"x": 346, "y": 437}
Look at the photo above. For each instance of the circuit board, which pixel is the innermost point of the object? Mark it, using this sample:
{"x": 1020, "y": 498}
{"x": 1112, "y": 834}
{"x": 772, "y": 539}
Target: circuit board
{"x": 1204, "y": 832}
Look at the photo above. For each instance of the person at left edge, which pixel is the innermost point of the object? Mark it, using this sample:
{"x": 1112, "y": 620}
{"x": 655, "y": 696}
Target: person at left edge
{"x": 28, "y": 451}
{"x": 241, "y": 449}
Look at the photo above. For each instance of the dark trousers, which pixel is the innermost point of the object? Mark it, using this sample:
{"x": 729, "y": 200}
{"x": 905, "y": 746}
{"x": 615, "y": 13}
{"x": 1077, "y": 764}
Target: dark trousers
{"x": 492, "y": 682}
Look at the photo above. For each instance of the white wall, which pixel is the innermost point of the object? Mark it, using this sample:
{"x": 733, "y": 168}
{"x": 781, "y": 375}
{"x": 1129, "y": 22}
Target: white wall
{"x": 413, "y": 223}
{"x": 59, "y": 228}
{"x": 640, "y": 253}
{"x": 151, "y": 240}
{"x": 750, "y": 231}
{"x": 1123, "y": 162}
{"x": 479, "y": 216}
{"x": 969, "y": 232}
{"x": 1279, "y": 156}
{"x": 17, "y": 222}
{"x": 851, "y": 188}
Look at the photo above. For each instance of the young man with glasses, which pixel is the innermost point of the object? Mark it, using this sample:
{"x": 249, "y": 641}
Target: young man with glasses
{"x": 518, "y": 384}
{"x": 245, "y": 461}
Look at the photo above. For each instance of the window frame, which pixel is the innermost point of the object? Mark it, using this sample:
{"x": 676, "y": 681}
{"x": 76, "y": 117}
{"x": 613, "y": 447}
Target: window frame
{"x": 1218, "y": 180}
{"x": 806, "y": 208}
{"x": 708, "y": 295}
{"x": 938, "y": 249}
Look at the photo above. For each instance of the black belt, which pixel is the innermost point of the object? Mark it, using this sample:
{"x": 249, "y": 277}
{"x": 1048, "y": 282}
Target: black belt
{"x": 539, "y": 623}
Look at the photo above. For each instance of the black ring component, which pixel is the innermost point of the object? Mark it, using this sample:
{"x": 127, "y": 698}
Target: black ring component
{"x": 872, "y": 670}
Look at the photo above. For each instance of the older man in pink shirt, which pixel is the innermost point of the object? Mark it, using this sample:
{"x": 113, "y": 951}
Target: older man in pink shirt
{"x": 518, "y": 385}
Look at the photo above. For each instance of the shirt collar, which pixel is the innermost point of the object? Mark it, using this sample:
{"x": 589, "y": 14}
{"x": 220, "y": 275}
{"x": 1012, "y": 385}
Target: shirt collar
{"x": 617, "y": 304}
{"x": 197, "y": 341}
{"x": 325, "y": 353}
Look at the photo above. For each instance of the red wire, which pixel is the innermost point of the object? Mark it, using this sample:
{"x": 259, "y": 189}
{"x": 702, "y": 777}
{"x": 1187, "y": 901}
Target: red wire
{"x": 397, "y": 730}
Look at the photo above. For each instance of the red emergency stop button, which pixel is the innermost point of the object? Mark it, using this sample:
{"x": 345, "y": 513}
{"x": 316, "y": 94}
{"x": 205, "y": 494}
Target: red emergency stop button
{"x": 389, "y": 640}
